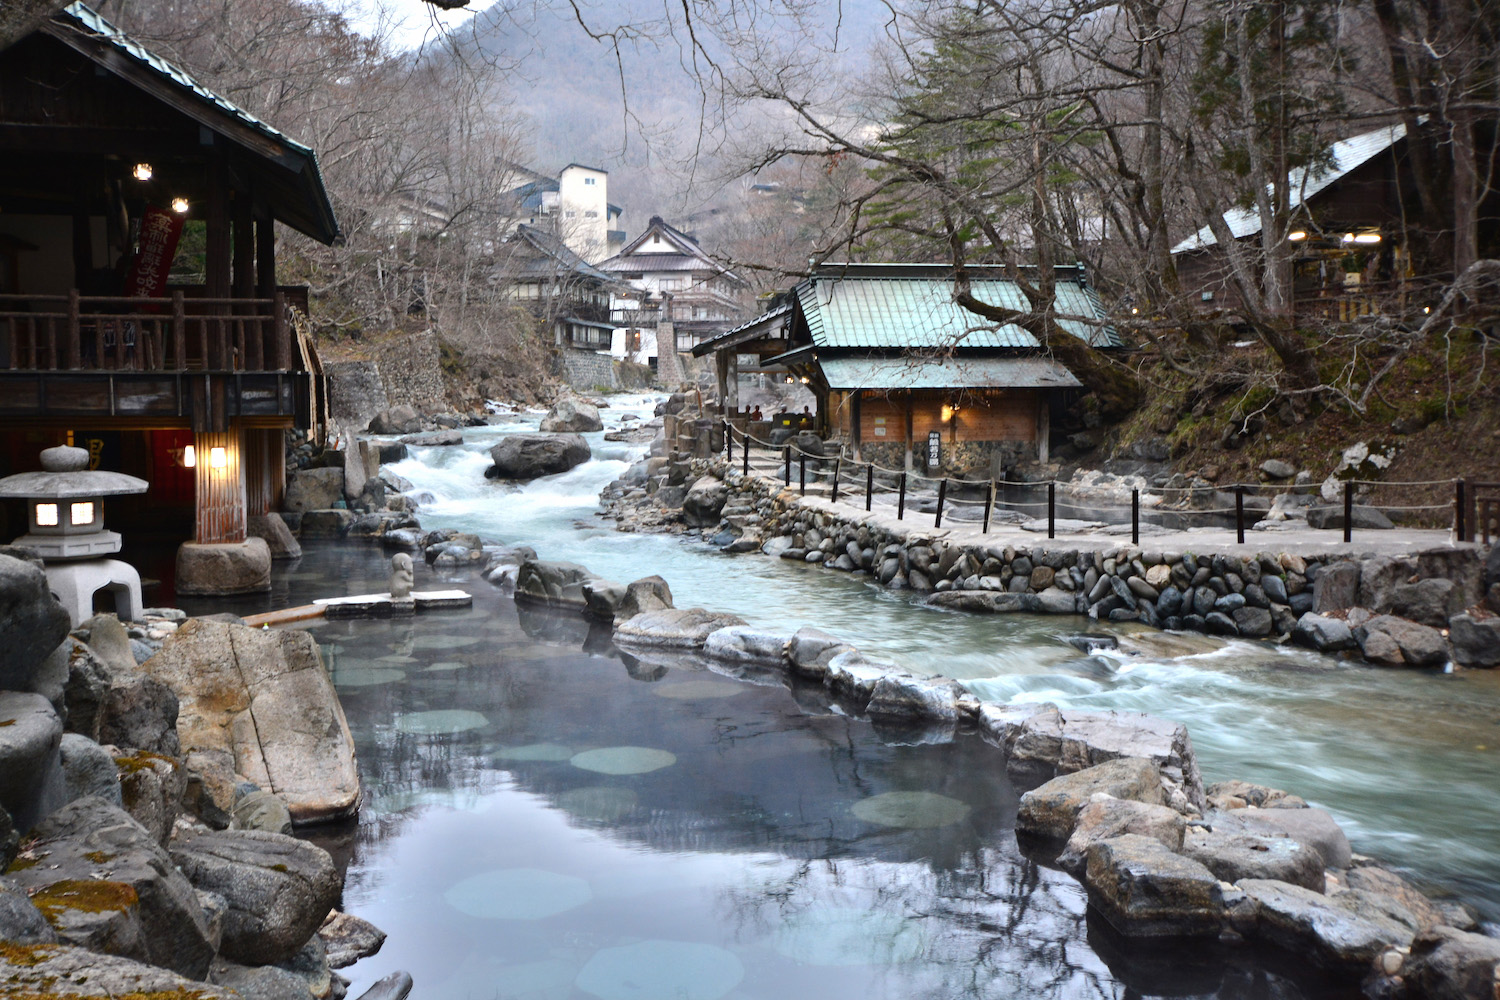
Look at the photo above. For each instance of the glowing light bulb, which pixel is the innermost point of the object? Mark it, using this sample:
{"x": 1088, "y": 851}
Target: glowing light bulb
{"x": 180, "y": 206}
{"x": 142, "y": 172}
{"x": 218, "y": 458}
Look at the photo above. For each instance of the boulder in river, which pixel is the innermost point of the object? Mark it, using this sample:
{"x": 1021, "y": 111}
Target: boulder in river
{"x": 1340, "y": 932}
{"x": 745, "y": 644}
{"x": 1235, "y": 855}
{"x": 259, "y": 703}
{"x": 810, "y": 651}
{"x": 555, "y": 584}
{"x": 572, "y": 416}
{"x": 915, "y": 699}
{"x": 1394, "y": 642}
{"x": 1050, "y": 812}
{"x": 279, "y": 889}
{"x": 67, "y": 971}
{"x": 1145, "y": 891}
{"x": 1314, "y": 828}
{"x": 104, "y": 883}
{"x": 1448, "y": 964}
{"x": 676, "y": 627}
{"x": 313, "y": 489}
{"x": 1106, "y": 816}
{"x": 703, "y": 502}
{"x": 528, "y": 456}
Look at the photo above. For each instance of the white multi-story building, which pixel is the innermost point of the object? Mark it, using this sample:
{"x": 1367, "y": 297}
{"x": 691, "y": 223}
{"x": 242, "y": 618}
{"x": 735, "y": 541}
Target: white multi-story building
{"x": 574, "y": 206}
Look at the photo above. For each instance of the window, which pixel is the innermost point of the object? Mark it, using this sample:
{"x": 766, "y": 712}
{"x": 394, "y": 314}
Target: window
{"x": 591, "y": 215}
{"x": 571, "y": 214}
{"x": 589, "y": 181}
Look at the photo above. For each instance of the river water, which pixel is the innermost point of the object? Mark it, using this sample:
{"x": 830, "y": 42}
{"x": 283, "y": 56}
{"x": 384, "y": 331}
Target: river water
{"x": 547, "y": 821}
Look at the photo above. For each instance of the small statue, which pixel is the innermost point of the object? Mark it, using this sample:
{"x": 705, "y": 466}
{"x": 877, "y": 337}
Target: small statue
{"x": 401, "y": 577}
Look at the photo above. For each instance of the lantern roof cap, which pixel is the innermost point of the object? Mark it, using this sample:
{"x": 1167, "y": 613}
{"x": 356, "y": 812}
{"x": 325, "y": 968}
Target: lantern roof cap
{"x": 66, "y": 475}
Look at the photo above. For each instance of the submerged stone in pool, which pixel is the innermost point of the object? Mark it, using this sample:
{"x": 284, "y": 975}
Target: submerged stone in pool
{"x": 441, "y": 721}
{"x": 600, "y": 803}
{"x": 445, "y": 641}
{"x": 396, "y": 658}
{"x": 696, "y": 690}
{"x": 536, "y": 751}
{"x": 518, "y": 894}
{"x": 913, "y": 810}
{"x": 444, "y": 667}
{"x": 652, "y": 970}
{"x": 366, "y": 676}
{"x": 624, "y": 760}
{"x": 848, "y": 936}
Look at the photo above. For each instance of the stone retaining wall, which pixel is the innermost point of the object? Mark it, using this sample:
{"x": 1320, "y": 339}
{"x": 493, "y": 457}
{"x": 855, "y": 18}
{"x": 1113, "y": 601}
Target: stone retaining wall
{"x": 1391, "y": 608}
{"x": 586, "y": 369}
{"x": 411, "y": 370}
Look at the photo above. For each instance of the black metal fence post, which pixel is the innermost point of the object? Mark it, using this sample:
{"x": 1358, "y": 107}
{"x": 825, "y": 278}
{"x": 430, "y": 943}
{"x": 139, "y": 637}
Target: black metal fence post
{"x": 1052, "y": 509}
{"x": 989, "y": 505}
{"x": 728, "y": 441}
{"x": 937, "y": 522}
{"x": 1135, "y": 517}
{"x": 802, "y": 471}
{"x": 838, "y": 464}
{"x": 746, "y": 442}
{"x": 901, "y": 499}
{"x": 1239, "y": 513}
{"x": 869, "y": 484}
{"x": 786, "y": 472}
{"x": 1348, "y": 511}
{"x": 1458, "y": 511}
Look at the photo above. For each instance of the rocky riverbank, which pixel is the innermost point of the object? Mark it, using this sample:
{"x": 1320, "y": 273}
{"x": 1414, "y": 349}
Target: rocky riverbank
{"x": 151, "y": 774}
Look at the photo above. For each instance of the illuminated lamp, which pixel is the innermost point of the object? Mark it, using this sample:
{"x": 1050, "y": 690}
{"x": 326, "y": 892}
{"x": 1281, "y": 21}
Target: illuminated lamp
{"x": 180, "y": 205}
{"x": 73, "y": 549}
{"x": 142, "y": 172}
{"x": 1367, "y": 238}
{"x": 189, "y": 457}
{"x": 1297, "y": 236}
{"x": 218, "y": 458}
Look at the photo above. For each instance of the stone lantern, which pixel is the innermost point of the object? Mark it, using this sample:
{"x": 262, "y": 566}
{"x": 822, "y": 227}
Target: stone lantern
{"x": 65, "y": 521}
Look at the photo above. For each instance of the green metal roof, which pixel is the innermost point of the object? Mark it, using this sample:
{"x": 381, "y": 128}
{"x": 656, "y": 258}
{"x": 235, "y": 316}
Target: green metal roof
{"x": 952, "y": 372}
{"x": 887, "y": 310}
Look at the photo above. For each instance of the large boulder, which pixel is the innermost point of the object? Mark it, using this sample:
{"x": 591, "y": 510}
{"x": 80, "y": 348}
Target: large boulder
{"x": 64, "y": 971}
{"x": 555, "y": 584}
{"x": 649, "y": 593}
{"x": 1233, "y": 855}
{"x": 151, "y": 789}
{"x": 224, "y": 568}
{"x": 1050, "y": 812}
{"x": 30, "y": 736}
{"x": 1049, "y": 741}
{"x": 271, "y": 528}
{"x": 313, "y": 489}
{"x": 572, "y": 416}
{"x": 810, "y": 651}
{"x": 1342, "y": 932}
{"x": 88, "y": 769}
{"x": 1145, "y": 891}
{"x": 745, "y": 644}
{"x": 1476, "y": 641}
{"x": 704, "y": 501}
{"x": 104, "y": 883}
{"x": 399, "y": 419}
{"x": 528, "y": 456}
{"x": 20, "y": 921}
{"x": 676, "y": 627}
{"x": 1313, "y": 828}
{"x": 347, "y": 939}
{"x": 1448, "y": 964}
{"x": 259, "y": 703}
{"x": 259, "y": 982}
{"x": 1325, "y": 634}
{"x": 32, "y": 622}
{"x": 1395, "y": 642}
{"x": 915, "y": 699}
{"x": 1362, "y": 518}
{"x": 1106, "y": 816}
{"x": 279, "y": 889}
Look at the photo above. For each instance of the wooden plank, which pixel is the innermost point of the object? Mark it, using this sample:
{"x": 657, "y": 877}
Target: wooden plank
{"x": 286, "y": 616}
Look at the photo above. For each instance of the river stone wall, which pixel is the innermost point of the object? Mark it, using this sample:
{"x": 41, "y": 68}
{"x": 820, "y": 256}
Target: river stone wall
{"x": 586, "y": 370}
{"x": 411, "y": 370}
{"x": 1397, "y": 611}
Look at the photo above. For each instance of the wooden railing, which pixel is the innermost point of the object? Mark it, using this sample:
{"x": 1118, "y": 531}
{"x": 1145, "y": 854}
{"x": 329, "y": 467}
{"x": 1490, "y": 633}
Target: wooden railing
{"x": 76, "y": 332}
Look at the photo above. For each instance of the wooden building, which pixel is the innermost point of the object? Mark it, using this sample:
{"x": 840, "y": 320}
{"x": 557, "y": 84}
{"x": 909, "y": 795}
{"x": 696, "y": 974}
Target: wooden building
{"x": 186, "y": 376}
{"x": 909, "y": 379}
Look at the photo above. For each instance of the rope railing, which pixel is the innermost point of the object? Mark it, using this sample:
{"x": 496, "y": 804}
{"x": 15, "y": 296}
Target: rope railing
{"x": 902, "y": 482}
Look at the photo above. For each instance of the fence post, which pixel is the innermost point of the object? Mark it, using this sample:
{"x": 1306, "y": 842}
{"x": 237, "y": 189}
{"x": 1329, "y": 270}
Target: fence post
{"x": 1348, "y": 510}
{"x": 1135, "y": 517}
{"x": 745, "y": 444}
{"x": 786, "y": 472}
{"x": 869, "y": 484}
{"x": 989, "y": 505}
{"x": 901, "y": 499}
{"x": 838, "y": 465}
{"x": 728, "y": 441}
{"x": 942, "y": 495}
{"x": 74, "y": 345}
{"x": 1458, "y": 510}
{"x": 1052, "y": 508}
{"x": 1239, "y": 513}
{"x": 802, "y": 471}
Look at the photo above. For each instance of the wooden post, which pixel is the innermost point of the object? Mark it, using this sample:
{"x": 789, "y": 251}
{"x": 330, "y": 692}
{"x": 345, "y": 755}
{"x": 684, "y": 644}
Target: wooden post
{"x": 901, "y": 499}
{"x": 217, "y": 264}
{"x": 745, "y": 447}
{"x": 1348, "y": 512}
{"x": 1458, "y": 511}
{"x": 220, "y": 508}
{"x": 838, "y": 464}
{"x": 282, "y": 331}
{"x": 1239, "y": 513}
{"x": 786, "y": 472}
{"x": 802, "y": 471}
{"x": 937, "y": 522}
{"x": 75, "y": 329}
{"x": 179, "y": 330}
{"x": 1052, "y": 509}
{"x": 1135, "y": 517}
{"x": 869, "y": 484}
{"x": 989, "y": 505}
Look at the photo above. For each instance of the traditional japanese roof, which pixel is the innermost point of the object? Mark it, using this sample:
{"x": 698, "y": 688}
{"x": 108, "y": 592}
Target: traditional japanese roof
{"x": 1344, "y": 158}
{"x": 543, "y": 255}
{"x": 689, "y": 256}
{"x": 911, "y": 307}
{"x": 947, "y": 372}
{"x": 88, "y": 33}
{"x": 767, "y": 323}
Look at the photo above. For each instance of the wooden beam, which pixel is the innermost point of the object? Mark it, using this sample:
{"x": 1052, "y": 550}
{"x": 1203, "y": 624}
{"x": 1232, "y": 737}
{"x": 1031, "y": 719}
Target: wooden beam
{"x": 265, "y": 254}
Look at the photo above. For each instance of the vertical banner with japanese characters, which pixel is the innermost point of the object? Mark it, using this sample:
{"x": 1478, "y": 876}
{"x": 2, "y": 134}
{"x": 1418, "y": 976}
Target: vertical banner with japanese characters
{"x": 160, "y": 231}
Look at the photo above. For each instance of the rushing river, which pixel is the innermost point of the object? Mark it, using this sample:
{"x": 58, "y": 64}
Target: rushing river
{"x": 547, "y": 821}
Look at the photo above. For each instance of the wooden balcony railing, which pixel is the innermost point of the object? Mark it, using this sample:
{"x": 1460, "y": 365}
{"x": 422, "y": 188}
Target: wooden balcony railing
{"x": 178, "y": 333}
